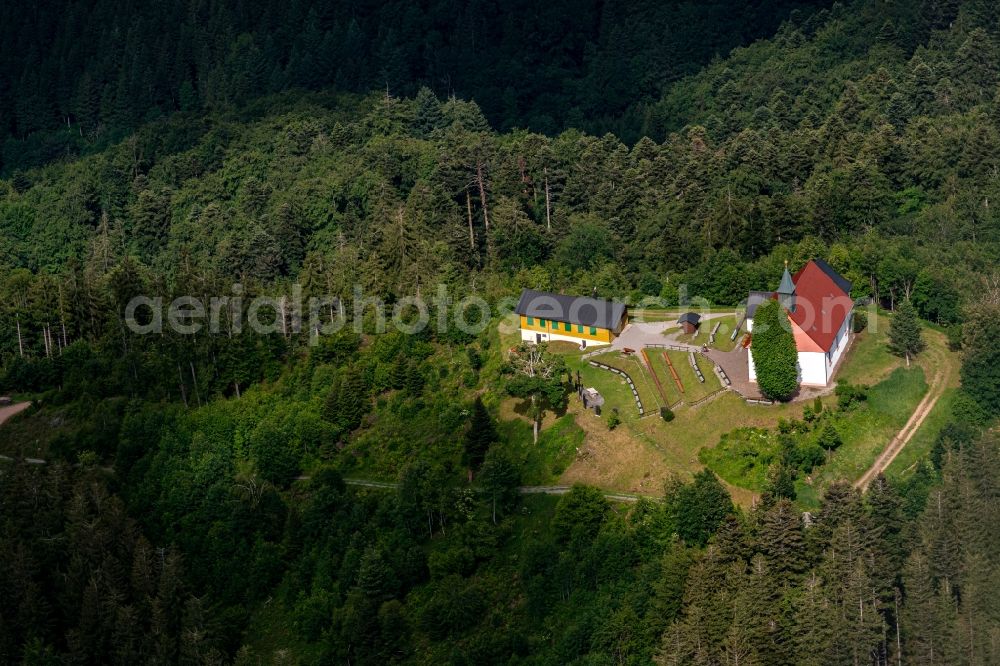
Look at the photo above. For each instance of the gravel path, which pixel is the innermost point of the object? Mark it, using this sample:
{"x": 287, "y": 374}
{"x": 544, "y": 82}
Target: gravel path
{"x": 11, "y": 410}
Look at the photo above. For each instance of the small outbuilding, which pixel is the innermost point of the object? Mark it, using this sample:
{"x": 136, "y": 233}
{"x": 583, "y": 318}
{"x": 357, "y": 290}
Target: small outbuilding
{"x": 689, "y": 322}
{"x": 592, "y": 399}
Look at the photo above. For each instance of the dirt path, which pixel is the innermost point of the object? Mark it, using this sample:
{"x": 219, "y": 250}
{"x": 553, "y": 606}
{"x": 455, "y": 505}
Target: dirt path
{"x": 524, "y": 490}
{"x": 939, "y": 382}
{"x": 11, "y": 410}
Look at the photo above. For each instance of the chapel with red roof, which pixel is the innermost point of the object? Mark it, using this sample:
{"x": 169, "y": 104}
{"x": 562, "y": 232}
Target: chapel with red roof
{"x": 817, "y": 301}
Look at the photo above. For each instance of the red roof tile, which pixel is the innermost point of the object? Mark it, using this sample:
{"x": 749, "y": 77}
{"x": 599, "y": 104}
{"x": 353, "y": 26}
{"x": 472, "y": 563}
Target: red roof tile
{"x": 821, "y": 305}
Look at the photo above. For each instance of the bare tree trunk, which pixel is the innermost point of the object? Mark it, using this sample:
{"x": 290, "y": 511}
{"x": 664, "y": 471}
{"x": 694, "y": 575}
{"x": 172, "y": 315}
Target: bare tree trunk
{"x": 899, "y": 643}
{"x": 548, "y": 203}
{"x": 20, "y": 342}
{"x": 194, "y": 380}
{"x": 180, "y": 376}
{"x": 284, "y": 321}
{"x": 534, "y": 419}
{"x": 481, "y": 182}
{"x": 472, "y": 234}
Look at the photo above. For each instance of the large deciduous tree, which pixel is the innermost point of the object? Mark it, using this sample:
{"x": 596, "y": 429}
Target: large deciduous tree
{"x": 536, "y": 375}
{"x": 775, "y": 357}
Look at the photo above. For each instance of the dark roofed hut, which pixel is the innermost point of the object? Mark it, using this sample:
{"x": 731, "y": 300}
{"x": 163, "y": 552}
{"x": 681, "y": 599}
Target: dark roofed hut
{"x": 689, "y": 322}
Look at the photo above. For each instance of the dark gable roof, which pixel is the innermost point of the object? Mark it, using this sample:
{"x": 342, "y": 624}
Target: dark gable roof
{"x": 756, "y": 298}
{"x": 689, "y": 318}
{"x": 573, "y": 309}
{"x": 843, "y": 283}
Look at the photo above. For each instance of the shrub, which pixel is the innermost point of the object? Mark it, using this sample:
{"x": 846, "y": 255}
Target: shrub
{"x": 666, "y": 414}
{"x": 613, "y": 419}
{"x": 818, "y": 405}
{"x": 829, "y": 438}
{"x": 954, "y": 333}
{"x": 849, "y": 395}
{"x": 860, "y": 322}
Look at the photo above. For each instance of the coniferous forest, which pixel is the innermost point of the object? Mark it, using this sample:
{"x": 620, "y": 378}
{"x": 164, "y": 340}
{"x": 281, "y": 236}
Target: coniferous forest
{"x": 194, "y": 498}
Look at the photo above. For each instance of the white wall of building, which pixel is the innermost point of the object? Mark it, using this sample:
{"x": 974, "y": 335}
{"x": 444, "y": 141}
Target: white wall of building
{"x": 812, "y": 368}
{"x": 528, "y": 335}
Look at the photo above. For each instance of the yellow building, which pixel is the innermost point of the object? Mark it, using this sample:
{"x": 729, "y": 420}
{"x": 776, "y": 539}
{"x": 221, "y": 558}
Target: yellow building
{"x": 586, "y": 321}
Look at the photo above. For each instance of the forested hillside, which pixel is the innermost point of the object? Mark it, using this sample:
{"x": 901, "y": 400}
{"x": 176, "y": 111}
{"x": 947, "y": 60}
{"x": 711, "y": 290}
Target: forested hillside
{"x": 194, "y": 507}
{"x": 98, "y": 68}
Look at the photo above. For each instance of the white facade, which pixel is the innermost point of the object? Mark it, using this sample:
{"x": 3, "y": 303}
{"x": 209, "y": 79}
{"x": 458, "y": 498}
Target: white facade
{"x": 815, "y": 367}
{"x": 529, "y": 335}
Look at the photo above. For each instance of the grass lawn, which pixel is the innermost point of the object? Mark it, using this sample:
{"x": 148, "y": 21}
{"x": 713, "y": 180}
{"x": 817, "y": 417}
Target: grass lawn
{"x": 613, "y": 389}
{"x": 868, "y": 360}
{"x": 693, "y": 389}
{"x": 644, "y": 384}
{"x": 659, "y": 366}
{"x": 641, "y": 454}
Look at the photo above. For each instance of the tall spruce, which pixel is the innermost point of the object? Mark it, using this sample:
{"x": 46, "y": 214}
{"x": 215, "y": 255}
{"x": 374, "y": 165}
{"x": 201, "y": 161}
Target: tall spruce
{"x": 905, "y": 338}
{"x": 479, "y": 436}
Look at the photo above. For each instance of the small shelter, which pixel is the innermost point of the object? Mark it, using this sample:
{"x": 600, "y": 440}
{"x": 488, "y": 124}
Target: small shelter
{"x": 689, "y": 322}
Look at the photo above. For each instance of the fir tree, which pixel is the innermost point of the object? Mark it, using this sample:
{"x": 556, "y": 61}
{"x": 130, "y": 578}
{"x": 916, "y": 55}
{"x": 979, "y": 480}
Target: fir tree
{"x": 905, "y": 338}
{"x": 479, "y": 436}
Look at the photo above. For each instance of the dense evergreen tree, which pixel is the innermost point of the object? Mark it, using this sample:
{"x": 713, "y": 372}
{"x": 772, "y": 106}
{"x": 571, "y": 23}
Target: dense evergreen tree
{"x": 905, "y": 338}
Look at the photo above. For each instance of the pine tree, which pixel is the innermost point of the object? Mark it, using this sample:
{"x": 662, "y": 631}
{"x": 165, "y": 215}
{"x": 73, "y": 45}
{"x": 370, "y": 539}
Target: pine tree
{"x": 780, "y": 537}
{"x": 480, "y": 434}
{"x": 905, "y": 338}
{"x": 981, "y": 363}
{"x": 499, "y": 478}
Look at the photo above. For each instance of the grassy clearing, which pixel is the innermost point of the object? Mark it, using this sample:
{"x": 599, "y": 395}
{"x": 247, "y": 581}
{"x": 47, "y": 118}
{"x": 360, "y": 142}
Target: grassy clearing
{"x": 743, "y": 456}
{"x": 866, "y": 430}
{"x": 919, "y": 447}
{"x": 868, "y": 361}
{"x": 544, "y": 462}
